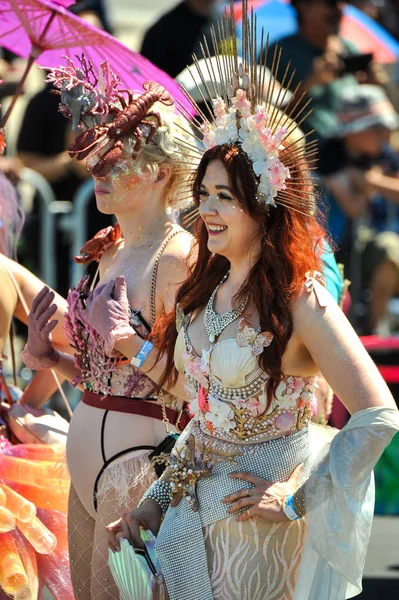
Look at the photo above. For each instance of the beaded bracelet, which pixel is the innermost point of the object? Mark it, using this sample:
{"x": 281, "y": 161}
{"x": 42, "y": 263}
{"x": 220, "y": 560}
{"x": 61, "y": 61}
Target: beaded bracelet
{"x": 139, "y": 360}
{"x": 299, "y": 501}
{"x": 159, "y": 492}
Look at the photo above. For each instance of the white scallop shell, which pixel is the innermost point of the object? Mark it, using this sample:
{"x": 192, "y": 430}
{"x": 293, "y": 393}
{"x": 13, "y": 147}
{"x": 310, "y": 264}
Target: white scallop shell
{"x": 232, "y": 364}
{"x": 180, "y": 348}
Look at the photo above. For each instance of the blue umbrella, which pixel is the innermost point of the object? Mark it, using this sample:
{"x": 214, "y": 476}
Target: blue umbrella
{"x": 278, "y": 18}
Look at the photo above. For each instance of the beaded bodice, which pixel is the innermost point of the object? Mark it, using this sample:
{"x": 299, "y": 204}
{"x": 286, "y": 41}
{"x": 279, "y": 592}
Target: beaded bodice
{"x": 98, "y": 372}
{"x": 229, "y": 396}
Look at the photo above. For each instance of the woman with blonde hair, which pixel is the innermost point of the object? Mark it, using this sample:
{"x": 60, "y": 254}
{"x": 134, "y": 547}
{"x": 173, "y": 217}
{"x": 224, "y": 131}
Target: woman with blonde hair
{"x": 134, "y": 146}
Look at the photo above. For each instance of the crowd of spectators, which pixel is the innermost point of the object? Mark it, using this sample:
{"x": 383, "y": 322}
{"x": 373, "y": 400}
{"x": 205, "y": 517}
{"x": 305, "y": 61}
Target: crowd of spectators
{"x": 352, "y": 119}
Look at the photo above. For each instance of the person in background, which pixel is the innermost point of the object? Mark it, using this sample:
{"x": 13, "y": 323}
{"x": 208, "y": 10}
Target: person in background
{"x": 172, "y": 40}
{"x": 317, "y": 52}
{"x": 382, "y": 11}
{"x": 360, "y": 172}
{"x": 18, "y": 288}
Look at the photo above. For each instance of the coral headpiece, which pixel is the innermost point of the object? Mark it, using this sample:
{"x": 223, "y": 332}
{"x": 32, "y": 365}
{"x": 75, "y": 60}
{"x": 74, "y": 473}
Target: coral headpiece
{"x": 105, "y": 112}
{"x": 239, "y": 90}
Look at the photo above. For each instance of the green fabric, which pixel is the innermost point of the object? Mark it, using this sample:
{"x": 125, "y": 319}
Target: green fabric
{"x": 386, "y": 480}
{"x": 331, "y": 273}
{"x": 300, "y": 53}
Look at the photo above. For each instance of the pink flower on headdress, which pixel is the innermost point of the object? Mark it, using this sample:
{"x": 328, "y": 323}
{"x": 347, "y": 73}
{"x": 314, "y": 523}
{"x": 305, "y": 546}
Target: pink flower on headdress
{"x": 241, "y": 103}
{"x": 278, "y": 175}
{"x": 219, "y": 107}
{"x": 260, "y": 117}
{"x": 280, "y": 134}
{"x": 266, "y": 138}
{"x": 209, "y": 135}
{"x": 313, "y": 405}
{"x": 275, "y": 139}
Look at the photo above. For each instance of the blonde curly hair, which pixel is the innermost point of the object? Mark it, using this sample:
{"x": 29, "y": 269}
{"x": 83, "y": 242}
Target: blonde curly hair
{"x": 168, "y": 145}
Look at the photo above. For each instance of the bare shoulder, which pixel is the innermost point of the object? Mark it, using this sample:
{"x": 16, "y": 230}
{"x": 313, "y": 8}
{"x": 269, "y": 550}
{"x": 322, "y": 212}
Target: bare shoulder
{"x": 180, "y": 245}
{"x": 11, "y": 268}
{"x": 176, "y": 254}
{"x": 173, "y": 267}
{"x": 312, "y": 302}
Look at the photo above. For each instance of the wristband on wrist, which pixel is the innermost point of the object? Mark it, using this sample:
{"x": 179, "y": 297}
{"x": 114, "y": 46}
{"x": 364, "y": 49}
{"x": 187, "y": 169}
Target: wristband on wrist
{"x": 139, "y": 360}
{"x": 289, "y": 508}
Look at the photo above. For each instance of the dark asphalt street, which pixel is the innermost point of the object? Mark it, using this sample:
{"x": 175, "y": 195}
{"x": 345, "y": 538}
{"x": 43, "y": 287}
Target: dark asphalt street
{"x": 381, "y": 576}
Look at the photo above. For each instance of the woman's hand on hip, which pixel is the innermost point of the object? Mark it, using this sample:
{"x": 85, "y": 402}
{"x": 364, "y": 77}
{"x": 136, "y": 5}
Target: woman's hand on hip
{"x": 265, "y": 499}
{"x": 147, "y": 516}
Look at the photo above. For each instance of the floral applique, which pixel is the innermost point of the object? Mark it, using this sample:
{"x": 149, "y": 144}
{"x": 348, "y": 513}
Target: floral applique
{"x": 254, "y": 406}
{"x": 292, "y": 393}
{"x": 220, "y": 414}
{"x": 197, "y": 367}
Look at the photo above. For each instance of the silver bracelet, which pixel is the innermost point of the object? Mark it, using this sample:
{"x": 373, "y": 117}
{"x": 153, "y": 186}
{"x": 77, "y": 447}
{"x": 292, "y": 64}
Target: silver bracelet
{"x": 159, "y": 491}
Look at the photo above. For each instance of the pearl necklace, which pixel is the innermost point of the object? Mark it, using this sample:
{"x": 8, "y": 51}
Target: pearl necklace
{"x": 215, "y": 323}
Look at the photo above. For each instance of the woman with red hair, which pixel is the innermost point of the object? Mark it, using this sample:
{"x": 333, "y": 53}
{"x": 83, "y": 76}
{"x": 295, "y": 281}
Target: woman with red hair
{"x": 242, "y": 511}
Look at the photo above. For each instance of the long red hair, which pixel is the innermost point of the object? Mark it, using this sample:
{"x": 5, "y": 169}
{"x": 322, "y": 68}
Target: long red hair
{"x": 291, "y": 246}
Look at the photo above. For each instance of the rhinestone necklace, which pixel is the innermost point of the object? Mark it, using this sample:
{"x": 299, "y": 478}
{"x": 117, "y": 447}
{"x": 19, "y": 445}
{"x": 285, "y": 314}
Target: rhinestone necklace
{"x": 216, "y": 323}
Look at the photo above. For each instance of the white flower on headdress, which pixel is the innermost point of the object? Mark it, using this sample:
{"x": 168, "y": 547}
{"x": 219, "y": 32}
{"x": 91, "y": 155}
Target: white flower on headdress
{"x": 250, "y": 143}
{"x": 266, "y": 190}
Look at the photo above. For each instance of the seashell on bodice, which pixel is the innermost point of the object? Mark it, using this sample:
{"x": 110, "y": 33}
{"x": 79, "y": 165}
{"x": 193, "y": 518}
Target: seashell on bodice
{"x": 229, "y": 393}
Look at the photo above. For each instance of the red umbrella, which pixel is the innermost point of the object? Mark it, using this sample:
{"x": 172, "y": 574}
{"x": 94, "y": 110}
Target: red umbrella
{"x": 44, "y": 31}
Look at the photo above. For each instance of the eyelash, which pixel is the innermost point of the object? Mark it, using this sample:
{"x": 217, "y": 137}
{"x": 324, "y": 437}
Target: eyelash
{"x": 221, "y": 195}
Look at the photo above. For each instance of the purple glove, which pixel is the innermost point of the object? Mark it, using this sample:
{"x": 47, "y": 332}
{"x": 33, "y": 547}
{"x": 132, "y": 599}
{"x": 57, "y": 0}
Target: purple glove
{"x": 107, "y": 311}
{"x": 39, "y": 352}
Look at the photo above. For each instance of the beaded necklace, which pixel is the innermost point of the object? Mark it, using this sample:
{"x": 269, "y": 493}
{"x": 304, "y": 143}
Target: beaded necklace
{"x": 215, "y": 323}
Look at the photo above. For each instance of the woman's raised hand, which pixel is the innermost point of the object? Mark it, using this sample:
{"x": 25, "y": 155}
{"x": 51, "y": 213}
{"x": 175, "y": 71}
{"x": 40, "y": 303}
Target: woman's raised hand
{"x": 107, "y": 311}
{"x": 265, "y": 499}
{"x": 147, "y": 516}
{"x": 39, "y": 352}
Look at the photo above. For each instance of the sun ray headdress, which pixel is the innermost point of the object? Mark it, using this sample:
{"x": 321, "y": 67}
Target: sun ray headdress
{"x": 238, "y": 89}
